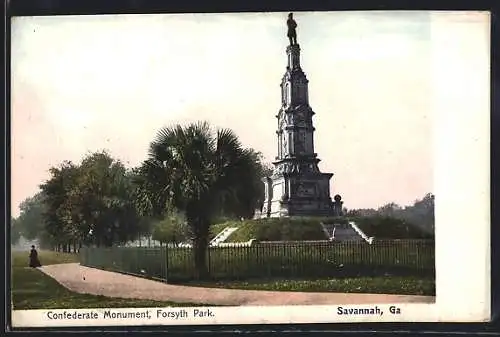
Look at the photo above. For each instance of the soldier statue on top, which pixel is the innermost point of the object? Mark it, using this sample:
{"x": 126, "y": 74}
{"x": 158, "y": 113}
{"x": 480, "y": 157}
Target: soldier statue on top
{"x": 292, "y": 32}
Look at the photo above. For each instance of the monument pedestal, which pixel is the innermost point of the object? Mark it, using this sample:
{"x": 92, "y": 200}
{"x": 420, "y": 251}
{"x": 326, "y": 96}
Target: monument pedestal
{"x": 298, "y": 195}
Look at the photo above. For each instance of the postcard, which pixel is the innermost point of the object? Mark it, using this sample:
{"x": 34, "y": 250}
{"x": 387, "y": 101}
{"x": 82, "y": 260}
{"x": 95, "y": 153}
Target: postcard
{"x": 249, "y": 168}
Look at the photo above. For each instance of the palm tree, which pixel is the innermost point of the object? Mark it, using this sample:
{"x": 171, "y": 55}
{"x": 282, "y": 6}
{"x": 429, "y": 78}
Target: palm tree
{"x": 200, "y": 173}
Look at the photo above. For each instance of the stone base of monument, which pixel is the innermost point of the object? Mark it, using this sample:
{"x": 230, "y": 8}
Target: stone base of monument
{"x": 300, "y": 206}
{"x": 303, "y": 208}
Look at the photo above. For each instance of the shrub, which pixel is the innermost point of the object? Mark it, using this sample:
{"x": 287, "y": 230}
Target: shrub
{"x": 385, "y": 227}
{"x": 172, "y": 228}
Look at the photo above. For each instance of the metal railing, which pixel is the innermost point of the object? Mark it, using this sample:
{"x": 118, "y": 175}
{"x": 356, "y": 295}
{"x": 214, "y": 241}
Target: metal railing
{"x": 300, "y": 259}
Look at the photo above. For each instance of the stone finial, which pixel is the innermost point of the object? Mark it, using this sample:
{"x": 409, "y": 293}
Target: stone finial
{"x": 337, "y": 205}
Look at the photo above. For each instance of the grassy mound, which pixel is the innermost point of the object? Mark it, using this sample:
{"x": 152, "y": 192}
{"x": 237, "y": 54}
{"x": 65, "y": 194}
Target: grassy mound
{"x": 309, "y": 228}
{"x": 275, "y": 229}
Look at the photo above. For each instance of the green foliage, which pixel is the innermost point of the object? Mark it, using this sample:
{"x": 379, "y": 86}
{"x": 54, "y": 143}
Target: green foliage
{"x": 385, "y": 227}
{"x": 29, "y": 224}
{"x": 173, "y": 229}
{"x": 407, "y": 285}
{"x": 58, "y": 212}
{"x": 15, "y": 231}
{"x": 419, "y": 216}
{"x": 102, "y": 198}
{"x": 202, "y": 173}
{"x": 90, "y": 202}
{"x": 257, "y": 193}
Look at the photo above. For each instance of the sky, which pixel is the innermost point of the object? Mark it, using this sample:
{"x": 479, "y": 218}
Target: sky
{"x": 85, "y": 83}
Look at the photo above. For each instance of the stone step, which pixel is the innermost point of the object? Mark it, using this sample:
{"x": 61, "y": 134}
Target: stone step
{"x": 345, "y": 232}
{"x": 223, "y": 235}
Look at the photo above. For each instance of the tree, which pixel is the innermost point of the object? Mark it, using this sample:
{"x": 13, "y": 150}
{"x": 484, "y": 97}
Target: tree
{"x": 173, "y": 228}
{"x": 418, "y": 219}
{"x": 265, "y": 170}
{"x": 362, "y": 212}
{"x": 388, "y": 227}
{"x": 15, "y": 233}
{"x": 250, "y": 192}
{"x": 390, "y": 209}
{"x": 57, "y": 215}
{"x": 421, "y": 213}
{"x": 201, "y": 173}
{"x": 30, "y": 220}
{"x": 101, "y": 205}
{"x": 91, "y": 203}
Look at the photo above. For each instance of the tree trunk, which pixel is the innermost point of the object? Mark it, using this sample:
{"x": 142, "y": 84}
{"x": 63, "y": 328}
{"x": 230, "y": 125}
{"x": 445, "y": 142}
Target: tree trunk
{"x": 200, "y": 230}
{"x": 200, "y": 245}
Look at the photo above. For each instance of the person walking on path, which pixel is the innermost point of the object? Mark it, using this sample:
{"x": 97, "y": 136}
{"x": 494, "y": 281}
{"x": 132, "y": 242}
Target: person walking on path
{"x": 34, "y": 261}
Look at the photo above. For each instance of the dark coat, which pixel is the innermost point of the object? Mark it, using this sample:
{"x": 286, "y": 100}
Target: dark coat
{"x": 34, "y": 261}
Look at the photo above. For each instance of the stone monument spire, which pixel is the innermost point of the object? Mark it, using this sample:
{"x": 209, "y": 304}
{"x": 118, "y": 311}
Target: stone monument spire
{"x": 293, "y": 54}
{"x": 295, "y": 125}
{"x": 297, "y": 187}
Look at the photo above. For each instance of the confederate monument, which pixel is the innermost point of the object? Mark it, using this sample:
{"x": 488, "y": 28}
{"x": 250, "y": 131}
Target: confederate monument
{"x": 297, "y": 187}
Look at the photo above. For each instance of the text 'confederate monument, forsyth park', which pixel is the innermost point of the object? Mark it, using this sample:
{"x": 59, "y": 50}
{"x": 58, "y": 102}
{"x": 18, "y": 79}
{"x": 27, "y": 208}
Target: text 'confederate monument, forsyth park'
{"x": 297, "y": 187}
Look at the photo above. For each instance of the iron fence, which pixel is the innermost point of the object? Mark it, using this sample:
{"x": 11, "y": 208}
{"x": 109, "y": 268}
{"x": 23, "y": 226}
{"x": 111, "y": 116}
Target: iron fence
{"x": 270, "y": 260}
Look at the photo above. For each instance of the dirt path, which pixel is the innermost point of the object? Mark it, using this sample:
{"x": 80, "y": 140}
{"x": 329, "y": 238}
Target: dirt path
{"x": 98, "y": 282}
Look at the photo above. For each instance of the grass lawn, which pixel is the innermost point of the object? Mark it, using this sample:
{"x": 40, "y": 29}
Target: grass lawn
{"x": 20, "y": 259}
{"x": 374, "y": 285}
{"x": 32, "y": 289}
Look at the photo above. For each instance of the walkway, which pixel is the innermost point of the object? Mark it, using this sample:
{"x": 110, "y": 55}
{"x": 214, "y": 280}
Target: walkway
{"x": 98, "y": 282}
